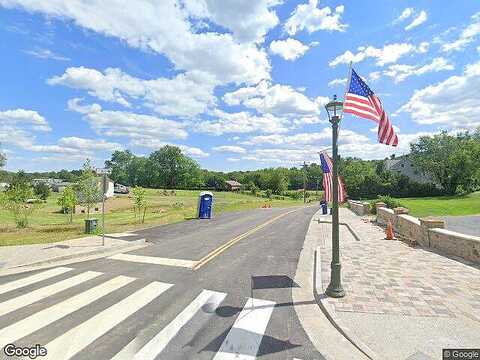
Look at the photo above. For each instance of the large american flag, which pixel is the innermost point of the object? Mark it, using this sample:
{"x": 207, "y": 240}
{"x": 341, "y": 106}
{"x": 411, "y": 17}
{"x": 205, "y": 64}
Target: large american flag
{"x": 327, "y": 168}
{"x": 361, "y": 101}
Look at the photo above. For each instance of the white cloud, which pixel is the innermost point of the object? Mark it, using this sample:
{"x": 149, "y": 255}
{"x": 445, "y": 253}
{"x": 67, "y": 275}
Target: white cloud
{"x": 129, "y": 125}
{"x": 229, "y": 149}
{"x": 248, "y": 20}
{"x": 309, "y": 17}
{"x": 452, "y": 102}
{"x": 400, "y": 72}
{"x": 155, "y": 143}
{"x": 279, "y": 100}
{"x": 186, "y": 94}
{"x": 337, "y": 82}
{"x": 241, "y": 122}
{"x": 406, "y": 13}
{"x": 467, "y": 36}
{"x": 419, "y": 20}
{"x": 46, "y": 54}
{"x": 24, "y": 118}
{"x": 137, "y": 24}
{"x": 301, "y": 139}
{"x": 289, "y": 49}
{"x": 390, "y": 53}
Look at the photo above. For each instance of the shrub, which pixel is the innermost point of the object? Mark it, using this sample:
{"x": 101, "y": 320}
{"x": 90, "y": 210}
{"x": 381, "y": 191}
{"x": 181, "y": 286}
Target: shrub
{"x": 269, "y": 193}
{"x": 391, "y": 202}
{"x": 42, "y": 190}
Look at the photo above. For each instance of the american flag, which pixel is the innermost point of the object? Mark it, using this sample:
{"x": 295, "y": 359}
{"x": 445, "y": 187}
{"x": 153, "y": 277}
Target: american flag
{"x": 361, "y": 101}
{"x": 327, "y": 168}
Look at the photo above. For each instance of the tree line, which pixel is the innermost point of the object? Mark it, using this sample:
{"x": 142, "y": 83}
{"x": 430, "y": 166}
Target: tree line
{"x": 451, "y": 161}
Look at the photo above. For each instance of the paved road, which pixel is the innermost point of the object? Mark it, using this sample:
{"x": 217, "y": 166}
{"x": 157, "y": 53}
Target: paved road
{"x": 137, "y": 306}
{"x": 464, "y": 224}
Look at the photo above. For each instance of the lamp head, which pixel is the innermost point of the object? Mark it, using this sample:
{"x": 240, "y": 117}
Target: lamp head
{"x": 334, "y": 108}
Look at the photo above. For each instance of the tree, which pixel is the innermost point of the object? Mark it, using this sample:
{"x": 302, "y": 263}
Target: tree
{"x": 88, "y": 189}
{"x": 67, "y": 201}
{"x": 171, "y": 169}
{"x": 452, "y": 161}
{"x": 278, "y": 181}
{"x": 119, "y": 166}
{"x": 15, "y": 200}
{"x": 139, "y": 203}
{"x": 42, "y": 190}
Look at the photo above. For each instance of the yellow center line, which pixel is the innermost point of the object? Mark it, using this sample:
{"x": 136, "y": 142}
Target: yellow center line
{"x": 210, "y": 256}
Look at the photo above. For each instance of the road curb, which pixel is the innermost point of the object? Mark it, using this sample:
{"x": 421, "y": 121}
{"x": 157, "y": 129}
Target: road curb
{"x": 73, "y": 258}
{"x": 320, "y": 297}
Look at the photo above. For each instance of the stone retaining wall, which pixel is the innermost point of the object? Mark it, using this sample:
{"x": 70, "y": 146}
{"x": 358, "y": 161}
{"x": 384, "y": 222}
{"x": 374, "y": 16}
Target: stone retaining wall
{"x": 430, "y": 233}
{"x": 359, "y": 208}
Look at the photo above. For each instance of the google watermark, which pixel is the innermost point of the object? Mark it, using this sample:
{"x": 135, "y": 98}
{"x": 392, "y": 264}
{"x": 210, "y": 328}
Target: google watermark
{"x": 461, "y": 354}
{"x": 22, "y": 351}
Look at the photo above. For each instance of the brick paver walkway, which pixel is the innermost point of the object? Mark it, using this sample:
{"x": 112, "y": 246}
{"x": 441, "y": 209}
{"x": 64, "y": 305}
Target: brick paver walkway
{"x": 389, "y": 277}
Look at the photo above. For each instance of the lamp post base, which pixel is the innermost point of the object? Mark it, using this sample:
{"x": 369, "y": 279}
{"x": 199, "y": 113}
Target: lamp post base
{"x": 335, "y": 292}
{"x": 335, "y": 289}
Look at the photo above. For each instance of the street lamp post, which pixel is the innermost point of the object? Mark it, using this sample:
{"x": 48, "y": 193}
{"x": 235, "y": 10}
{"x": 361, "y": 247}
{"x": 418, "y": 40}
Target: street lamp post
{"x": 335, "y": 289}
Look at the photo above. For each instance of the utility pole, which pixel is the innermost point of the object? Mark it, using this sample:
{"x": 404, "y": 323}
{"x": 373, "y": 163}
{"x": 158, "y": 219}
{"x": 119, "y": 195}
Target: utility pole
{"x": 304, "y": 182}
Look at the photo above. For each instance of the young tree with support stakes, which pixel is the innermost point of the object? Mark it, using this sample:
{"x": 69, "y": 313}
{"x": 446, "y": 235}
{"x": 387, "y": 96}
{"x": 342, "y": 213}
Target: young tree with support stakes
{"x": 139, "y": 203}
{"x": 88, "y": 189}
{"x": 67, "y": 201}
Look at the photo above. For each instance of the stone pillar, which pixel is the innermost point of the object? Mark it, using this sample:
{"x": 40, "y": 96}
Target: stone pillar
{"x": 400, "y": 211}
{"x": 379, "y": 205}
{"x": 429, "y": 223}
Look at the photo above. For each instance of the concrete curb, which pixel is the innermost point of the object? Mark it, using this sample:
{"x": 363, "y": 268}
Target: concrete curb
{"x": 73, "y": 258}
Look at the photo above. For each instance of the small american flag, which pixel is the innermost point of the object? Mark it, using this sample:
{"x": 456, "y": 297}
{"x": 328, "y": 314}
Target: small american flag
{"x": 327, "y": 168}
{"x": 361, "y": 101}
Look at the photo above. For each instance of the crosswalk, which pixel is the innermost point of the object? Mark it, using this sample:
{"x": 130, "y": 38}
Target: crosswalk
{"x": 47, "y": 305}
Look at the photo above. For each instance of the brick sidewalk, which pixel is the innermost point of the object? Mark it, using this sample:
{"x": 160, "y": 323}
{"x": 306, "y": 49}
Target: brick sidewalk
{"x": 390, "y": 277}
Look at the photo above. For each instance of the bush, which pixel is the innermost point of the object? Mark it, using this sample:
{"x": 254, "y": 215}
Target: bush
{"x": 268, "y": 193}
{"x": 391, "y": 202}
{"x": 42, "y": 190}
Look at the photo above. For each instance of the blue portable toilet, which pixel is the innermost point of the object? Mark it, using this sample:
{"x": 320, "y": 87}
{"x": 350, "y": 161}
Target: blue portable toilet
{"x": 205, "y": 205}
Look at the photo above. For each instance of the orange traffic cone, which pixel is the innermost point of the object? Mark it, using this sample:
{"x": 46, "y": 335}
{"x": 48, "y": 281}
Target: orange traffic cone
{"x": 389, "y": 231}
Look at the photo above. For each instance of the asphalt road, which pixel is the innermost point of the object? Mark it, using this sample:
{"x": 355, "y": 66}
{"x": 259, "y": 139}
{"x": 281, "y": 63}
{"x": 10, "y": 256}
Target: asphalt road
{"x": 118, "y": 308}
{"x": 469, "y": 225}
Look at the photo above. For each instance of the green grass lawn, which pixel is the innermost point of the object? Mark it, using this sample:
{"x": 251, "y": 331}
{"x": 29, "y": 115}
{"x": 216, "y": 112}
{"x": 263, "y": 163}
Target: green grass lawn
{"x": 443, "y": 205}
{"x": 47, "y": 224}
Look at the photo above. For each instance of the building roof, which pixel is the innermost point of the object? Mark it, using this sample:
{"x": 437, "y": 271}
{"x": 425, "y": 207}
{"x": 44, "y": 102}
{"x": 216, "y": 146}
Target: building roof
{"x": 233, "y": 183}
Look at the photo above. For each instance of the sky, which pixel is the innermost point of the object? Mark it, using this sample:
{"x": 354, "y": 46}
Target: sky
{"x": 236, "y": 84}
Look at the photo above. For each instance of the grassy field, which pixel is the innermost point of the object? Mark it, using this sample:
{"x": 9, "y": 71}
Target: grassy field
{"x": 443, "y": 205}
{"x": 49, "y": 225}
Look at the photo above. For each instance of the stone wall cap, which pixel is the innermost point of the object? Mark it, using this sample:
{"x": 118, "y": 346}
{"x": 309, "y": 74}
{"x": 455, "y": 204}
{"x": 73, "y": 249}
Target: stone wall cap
{"x": 456, "y": 234}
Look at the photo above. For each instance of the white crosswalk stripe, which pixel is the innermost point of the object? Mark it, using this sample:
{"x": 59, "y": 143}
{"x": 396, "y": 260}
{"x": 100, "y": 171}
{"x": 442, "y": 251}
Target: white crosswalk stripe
{"x": 154, "y": 260}
{"x": 29, "y": 280}
{"x": 243, "y": 340}
{"x": 47, "y": 316}
{"x": 70, "y": 343}
{"x": 156, "y": 345}
{"x": 44, "y": 292}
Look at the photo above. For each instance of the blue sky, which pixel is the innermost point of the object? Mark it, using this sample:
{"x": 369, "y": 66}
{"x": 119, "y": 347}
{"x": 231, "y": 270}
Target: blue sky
{"x": 236, "y": 84}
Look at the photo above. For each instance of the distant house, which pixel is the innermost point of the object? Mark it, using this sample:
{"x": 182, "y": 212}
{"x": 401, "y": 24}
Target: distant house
{"x": 110, "y": 189}
{"x": 47, "y": 181}
{"x": 233, "y": 185}
{"x": 59, "y": 186}
{"x": 404, "y": 166}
